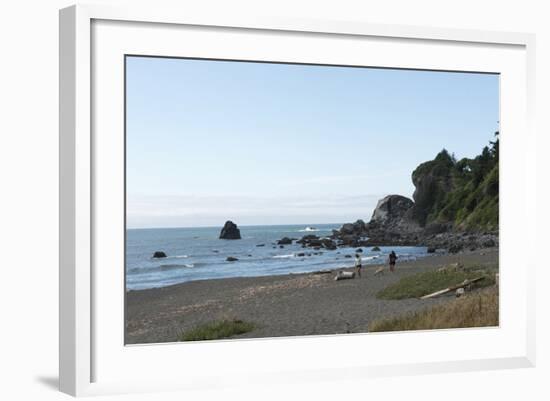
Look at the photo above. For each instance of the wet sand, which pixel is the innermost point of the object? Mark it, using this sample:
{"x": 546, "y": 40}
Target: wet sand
{"x": 286, "y": 305}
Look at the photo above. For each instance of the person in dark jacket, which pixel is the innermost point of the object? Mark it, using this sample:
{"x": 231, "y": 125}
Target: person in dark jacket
{"x": 392, "y": 258}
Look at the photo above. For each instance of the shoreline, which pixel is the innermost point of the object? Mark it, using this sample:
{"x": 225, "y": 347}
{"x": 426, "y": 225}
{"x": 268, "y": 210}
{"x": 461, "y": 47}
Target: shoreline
{"x": 282, "y": 305}
{"x": 382, "y": 262}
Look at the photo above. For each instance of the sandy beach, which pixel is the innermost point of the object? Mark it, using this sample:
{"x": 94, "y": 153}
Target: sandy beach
{"x": 285, "y": 305}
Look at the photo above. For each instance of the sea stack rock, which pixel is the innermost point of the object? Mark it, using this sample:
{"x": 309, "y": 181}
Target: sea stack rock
{"x": 392, "y": 215}
{"x": 230, "y": 231}
{"x": 390, "y": 223}
{"x": 159, "y": 254}
{"x": 391, "y": 209}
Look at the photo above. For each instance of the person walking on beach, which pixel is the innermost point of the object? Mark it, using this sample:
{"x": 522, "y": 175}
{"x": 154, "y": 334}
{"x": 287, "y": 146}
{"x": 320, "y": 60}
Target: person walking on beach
{"x": 392, "y": 258}
{"x": 358, "y": 264}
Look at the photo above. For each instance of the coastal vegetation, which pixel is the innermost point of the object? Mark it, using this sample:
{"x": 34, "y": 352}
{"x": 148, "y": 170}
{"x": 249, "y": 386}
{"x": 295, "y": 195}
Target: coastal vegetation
{"x": 217, "y": 330}
{"x": 463, "y": 193}
{"x": 473, "y": 310}
{"x": 420, "y": 284}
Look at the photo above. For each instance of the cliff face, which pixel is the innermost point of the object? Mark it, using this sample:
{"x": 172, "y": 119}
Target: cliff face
{"x": 432, "y": 181}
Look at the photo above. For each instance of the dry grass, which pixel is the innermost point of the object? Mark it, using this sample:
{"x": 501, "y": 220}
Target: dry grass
{"x": 417, "y": 285}
{"x": 479, "y": 309}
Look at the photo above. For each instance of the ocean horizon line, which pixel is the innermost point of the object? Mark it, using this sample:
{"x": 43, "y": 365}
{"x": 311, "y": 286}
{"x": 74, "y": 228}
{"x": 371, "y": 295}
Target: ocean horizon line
{"x": 239, "y": 225}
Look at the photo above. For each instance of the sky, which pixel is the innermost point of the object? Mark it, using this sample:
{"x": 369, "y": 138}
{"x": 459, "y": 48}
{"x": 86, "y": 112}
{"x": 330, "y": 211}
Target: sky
{"x": 265, "y": 143}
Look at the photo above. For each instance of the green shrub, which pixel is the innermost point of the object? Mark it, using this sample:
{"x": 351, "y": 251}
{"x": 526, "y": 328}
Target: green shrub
{"x": 217, "y": 330}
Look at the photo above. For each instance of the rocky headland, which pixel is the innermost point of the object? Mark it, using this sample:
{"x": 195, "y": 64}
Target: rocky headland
{"x": 454, "y": 207}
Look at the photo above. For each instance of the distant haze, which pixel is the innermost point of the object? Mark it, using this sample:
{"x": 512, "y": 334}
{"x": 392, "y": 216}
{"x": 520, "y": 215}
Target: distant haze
{"x": 264, "y": 144}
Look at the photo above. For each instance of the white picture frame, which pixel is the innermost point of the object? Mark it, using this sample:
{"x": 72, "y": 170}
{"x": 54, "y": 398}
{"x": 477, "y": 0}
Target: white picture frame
{"x": 81, "y": 346}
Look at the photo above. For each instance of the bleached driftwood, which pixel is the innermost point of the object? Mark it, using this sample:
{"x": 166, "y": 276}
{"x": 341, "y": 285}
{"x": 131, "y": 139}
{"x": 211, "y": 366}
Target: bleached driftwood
{"x": 342, "y": 275}
{"x": 437, "y": 293}
{"x": 465, "y": 283}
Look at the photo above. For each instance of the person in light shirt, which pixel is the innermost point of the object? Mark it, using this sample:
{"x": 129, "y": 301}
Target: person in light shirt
{"x": 358, "y": 264}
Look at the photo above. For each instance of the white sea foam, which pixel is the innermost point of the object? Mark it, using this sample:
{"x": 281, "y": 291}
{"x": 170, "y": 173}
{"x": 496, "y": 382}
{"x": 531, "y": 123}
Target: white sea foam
{"x": 172, "y": 267}
{"x": 170, "y": 257}
{"x": 308, "y": 229}
{"x": 283, "y": 256}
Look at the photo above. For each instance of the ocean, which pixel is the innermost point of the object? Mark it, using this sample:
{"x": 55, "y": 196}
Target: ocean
{"x": 198, "y": 254}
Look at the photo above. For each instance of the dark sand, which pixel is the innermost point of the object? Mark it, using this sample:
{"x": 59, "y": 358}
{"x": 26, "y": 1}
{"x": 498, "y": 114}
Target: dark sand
{"x": 286, "y": 305}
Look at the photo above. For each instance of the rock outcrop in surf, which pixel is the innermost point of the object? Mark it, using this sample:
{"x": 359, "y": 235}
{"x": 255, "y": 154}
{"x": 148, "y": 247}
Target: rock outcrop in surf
{"x": 230, "y": 231}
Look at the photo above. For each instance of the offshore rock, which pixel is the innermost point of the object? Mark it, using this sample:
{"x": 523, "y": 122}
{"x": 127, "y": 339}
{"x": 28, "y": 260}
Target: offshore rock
{"x": 230, "y": 231}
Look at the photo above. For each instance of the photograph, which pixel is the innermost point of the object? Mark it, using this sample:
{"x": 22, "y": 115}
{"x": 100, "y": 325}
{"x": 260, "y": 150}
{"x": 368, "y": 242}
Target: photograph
{"x": 273, "y": 199}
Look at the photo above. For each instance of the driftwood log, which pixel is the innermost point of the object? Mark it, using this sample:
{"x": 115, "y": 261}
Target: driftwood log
{"x": 341, "y": 275}
{"x": 453, "y": 288}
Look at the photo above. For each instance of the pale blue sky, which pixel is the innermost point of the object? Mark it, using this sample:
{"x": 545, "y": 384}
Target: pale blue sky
{"x": 265, "y": 143}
